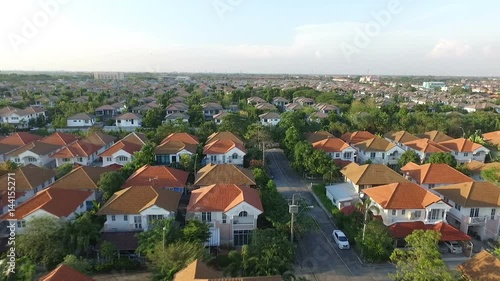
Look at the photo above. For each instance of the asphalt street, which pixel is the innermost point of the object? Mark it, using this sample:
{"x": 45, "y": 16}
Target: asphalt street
{"x": 318, "y": 258}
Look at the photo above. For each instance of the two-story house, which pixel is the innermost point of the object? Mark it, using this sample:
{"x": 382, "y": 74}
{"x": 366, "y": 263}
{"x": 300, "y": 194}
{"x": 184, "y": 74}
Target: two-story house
{"x": 161, "y": 177}
{"x": 128, "y": 120}
{"x": 403, "y": 215}
{"x": 210, "y": 109}
{"x": 255, "y": 100}
{"x": 79, "y": 152}
{"x": 178, "y": 107}
{"x": 476, "y": 207}
{"x": 224, "y": 147}
{"x": 400, "y": 137}
{"x": 224, "y": 174}
{"x": 218, "y": 118}
{"x": 336, "y": 148}
{"x": 292, "y": 107}
{"x": 432, "y": 175}
{"x": 436, "y": 136}
{"x": 37, "y": 153}
{"x": 28, "y": 180}
{"x": 80, "y": 120}
{"x": 175, "y": 145}
{"x": 135, "y": 208}
{"x": 379, "y": 151}
{"x": 465, "y": 151}
{"x": 122, "y": 152}
{"x": 20, "y": 117}
{"x": 105, "y": 111}
{"x": 269, "y": 119}
{"x": 100, "y": 139}
{"x": 14, "y": 141}
{"x": 231, "y": 211}
{"x": 280, "y": 102}
{"x": 370, "y": 175}
{"x": 424, "y": 148}
{"x": 358, "y": 136}
{"x": 327, "y": 108}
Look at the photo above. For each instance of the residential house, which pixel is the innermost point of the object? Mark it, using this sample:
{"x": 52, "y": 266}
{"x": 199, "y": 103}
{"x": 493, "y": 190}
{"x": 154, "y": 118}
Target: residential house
{"x": 161, "y": 177}
{"x": 135, "y": 208}
{"x": 255, "y": 100}
{"x": 492, "y": 138}
{"x": 210, "y": 109}
{"x": 316, "y": 116}
{"x": 378, "y": 150}
{"x": 119, "y": 106}
{"x": 229, "y": 209}
{"x": 49, "y": 101}
{"x": 122, "y": 152}
{"x": 475, "y": 168}
{"x": 313, "y": 137}
{"x": 304, "y": 101}
{"x": 61, "y": 139}
{"x": 270, "y": 119}
{"x": 218, "y": 118}
{"x": 476, "y": 207}
{"x": 100, "y": 139}
{"x": 293, "y": 107}
{"x": 280, "y": 102}
{"x": 14, "y": 141}
{"x": 483, "y": 266}
{"x": 370, "y": 175}
{"x": 20, "y": 117}
{"x": 174, "y": 146}
{"x": 400, "y": 137}
{"x": 224, "y": 174}
{"x": 224, "y": 147}
{"x": 355, "y": 137}
{"x": 105, "y": 111}
{"x": 64, "y": 272}
{"x": 265, "y": 106}
{"x": 327, "y": 108}
{"x": 177, "y": 108}
{"x": 174, "y": 117}
{"x": 424, "y": 148}
{"x": 336, "y": 148}
{"x": 433, "y": 175}
{"x": 436, "y": 136}
{"x": 406, "y": 207}
{"x": 37, "y": 153}
{"x": 80, "y": 120}
{"x": 53, "y": 202}
{"x": 465, "y": 150}
{"x": 342, "y": 195}
{"x": 79, "y": 152}
{"x": 28, "y": 181}
{"x": 128, "y": 120}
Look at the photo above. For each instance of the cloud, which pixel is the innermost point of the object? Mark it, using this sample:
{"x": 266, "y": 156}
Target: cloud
{"x": 450, "y": 48}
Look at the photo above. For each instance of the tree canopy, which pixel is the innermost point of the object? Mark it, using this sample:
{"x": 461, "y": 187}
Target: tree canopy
{"x": 443, "y": 157}
{"x": 407, "y": 157}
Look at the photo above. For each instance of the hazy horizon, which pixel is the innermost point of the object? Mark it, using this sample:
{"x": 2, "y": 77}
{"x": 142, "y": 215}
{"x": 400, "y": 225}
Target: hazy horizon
{"x": 397, "y": 38}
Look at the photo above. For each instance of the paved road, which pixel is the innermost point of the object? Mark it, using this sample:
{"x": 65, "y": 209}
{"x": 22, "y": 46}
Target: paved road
{"x": 317, "y": 258}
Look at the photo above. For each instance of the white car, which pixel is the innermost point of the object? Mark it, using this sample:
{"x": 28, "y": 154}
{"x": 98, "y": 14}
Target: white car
{"x": 454, "y": 247}
{"x": 340, "y": 239}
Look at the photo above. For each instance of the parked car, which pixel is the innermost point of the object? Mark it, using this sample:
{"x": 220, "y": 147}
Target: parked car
{"x": 454, "y": 247}
{"x": 443, "y": 248}
{"x": 340, "y": 239}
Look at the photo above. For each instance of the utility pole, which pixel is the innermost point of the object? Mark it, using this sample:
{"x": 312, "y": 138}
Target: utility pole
{"x": 293, "y": 209}
{"x": 263, "y": 154}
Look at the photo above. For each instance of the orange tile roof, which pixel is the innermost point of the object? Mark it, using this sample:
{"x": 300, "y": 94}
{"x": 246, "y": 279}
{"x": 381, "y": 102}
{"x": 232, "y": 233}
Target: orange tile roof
{"x": 318, "y": 136}
{"x": 158, "y": 176}
{"x": 37, "y": 147}
{"x": 426, "y": 146}
{"x": 472, "y": 194}
{"x": 476, "y": 166}
{"x": 56, "y": 201}
{"x": 77, "y": 149}
{"x": 400, "y": 136}
{"x": 121, "y": 145}
{"x": 371, "y": 174}
{"x": 198, "y": 271}
{"x": 20, "y": 138}
{"x": 461, "y": 145}
{"x": 492, "y": 137}
{"x": 222, "y": 146}
{"x": 330, "y": 145}
{"x": 224, "y": 136}
{"x": 59, "y": 138}
{"x": 83, "y": 177}
{"x": 481, "y": 267}
{"x": 28, "y": 177}
{"x": 172, "y": 147}
{"x": 448, "y": 233}
{"x": 405, "y": 195}
{"x": 99, "y": 138}
{"x": 375, "y": 144}
{"x": 356, "y": 137}
{"x": 436, "y": 136}
{"x": 183, "y": 137}
{"x": 65, "y": 273}
{"x": 224, "y": 174}
{"x": 136, "y": 138}
{"x": 222, "y": 198}
{"x": 135, "y": 199}
{"x": 434, "y": 173}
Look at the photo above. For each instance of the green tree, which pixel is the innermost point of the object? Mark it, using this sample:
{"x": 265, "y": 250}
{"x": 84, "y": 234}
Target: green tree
{"x": 187, "y": 162}
{"x": 261, "y": 177}
{"x": 196, "y": 231}
{"x": 292, "y": 137}
{"x": 492, "y": 175}
{"x": 109, "y": 183}
{"x": 443, "y": 157}
{"x": 8, "y": 166}
{"x": 108, "y": 251}
{"x": 407, "y": 157}
{"x": 378, "y": 243}
{"x": 153, "y": 118}
{"x": 422, "y": 261}
{"x": 25, "y": 270}
{"x": 83, "y": 233}
{"x": 161, "y": 230}
{"x": 82, "y": 265}
{"x": 63, "y": 170}
{"x": 42, "y": 242}
{"x": 234, "y": 123}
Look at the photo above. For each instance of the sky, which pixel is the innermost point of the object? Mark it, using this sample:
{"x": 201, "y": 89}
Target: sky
{"x": 380, "y": 37}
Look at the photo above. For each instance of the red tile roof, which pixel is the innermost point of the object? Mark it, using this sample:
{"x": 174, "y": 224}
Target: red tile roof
{"x": 183, "y": 137}
{"x": 65, "y": 273}
{"x": 461, "y": 145}
{"x": 434, "y": 174}
{"x": 83, "y": 177}
{"x": 158, "y": 177}
{"x": 330, "y": 145}
{"x": 426, "y": 146}
{"x": 20, "y": 138}
{"x": 121, "y": 145}
{"x": 223, "y": 197}
{"x": 402, "y": 196}
{"x": 356, "y": 137}
{"x": 448, "y": 233}
{"x": 77, "y": 149}
{"x": 61, "y": 139}
{"x": 222, "y": 146}
{"x": 436, "y": 136}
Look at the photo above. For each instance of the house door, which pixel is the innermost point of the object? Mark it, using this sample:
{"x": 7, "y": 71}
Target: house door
{"x": 138, "y": 222}
{"x": 174, "y": 158}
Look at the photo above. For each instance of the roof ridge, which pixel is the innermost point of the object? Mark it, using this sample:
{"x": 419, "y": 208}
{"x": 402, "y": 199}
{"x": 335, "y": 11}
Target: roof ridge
{"x": 469, "y": 186}
{"x": 87, "y": 174}
{"x": 25, "y": 177}
{"x": 392, "y": 194}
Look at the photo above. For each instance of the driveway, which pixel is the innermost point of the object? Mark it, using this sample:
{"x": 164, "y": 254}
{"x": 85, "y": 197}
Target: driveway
{"x": 317, "y": 257}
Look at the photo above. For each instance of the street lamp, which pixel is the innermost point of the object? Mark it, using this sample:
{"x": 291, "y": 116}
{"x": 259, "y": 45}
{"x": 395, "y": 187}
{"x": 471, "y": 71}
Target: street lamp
{"x": 164, "y": 230}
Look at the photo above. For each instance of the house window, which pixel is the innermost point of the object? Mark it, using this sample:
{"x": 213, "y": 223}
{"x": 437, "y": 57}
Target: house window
{"x": 493, "y": 211}
{"x": 80, "y": 159}
{"x": 417, "y": 214}
{"x": 125, "y": 217}
{"x": 466, "y": 154}
{"x": 138, "y": 222}
{"x": 113, "y": 218}
{"x": 109, "y": 159}
{"x": 456, "y": 153}
{"x": 224, "y": 218}
{"x": 235, "y": 156}
{"x": 21, "y": 224}
{"x": 347, "y": 155}
{"x": 383, "y": 155}
{"x": 122, "y": 158}
{"x": 372, "y": 155}
{"x": 474, "y": 212}
{"x": 213, "y": 158}
{"x": 458, "y": 207}
{"x": 206, "y": 217}
{"x": 403, "y": 212}
{"x": 432, "y": 185}
{"x": 31, "y": 159}
{"x": 434, "y": 214}
{"x": 337, "y": 155}
{"x": 241, "y": 237}
{"x": 243, "y": 214}
{"x": 65, "y": 159}
{"x": 394, "y": 212}
{"x": 16, "y": 160}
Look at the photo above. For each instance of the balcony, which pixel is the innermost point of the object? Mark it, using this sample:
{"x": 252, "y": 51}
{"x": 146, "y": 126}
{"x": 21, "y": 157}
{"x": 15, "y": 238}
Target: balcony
{"x": 478, "y": 220}
{"x": 244, "y": 220}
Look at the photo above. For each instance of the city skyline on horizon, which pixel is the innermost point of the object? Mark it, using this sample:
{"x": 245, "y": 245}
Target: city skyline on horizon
{"x": 388, "y": 38}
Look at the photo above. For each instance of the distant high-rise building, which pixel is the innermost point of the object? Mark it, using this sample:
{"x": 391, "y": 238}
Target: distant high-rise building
{"x": 433, "y": 85}
{"x": 109, "y": 76}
